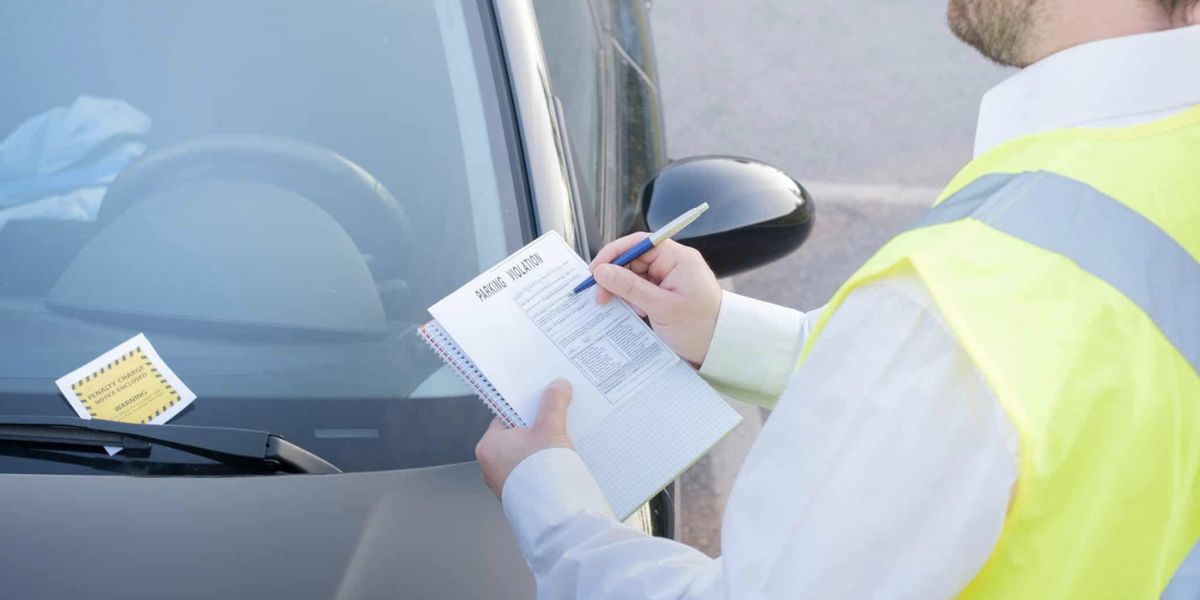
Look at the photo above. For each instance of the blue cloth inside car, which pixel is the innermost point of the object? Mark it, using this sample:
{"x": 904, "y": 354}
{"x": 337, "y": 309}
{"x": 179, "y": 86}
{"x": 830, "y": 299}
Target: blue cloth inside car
{"x": 57, "y": 165}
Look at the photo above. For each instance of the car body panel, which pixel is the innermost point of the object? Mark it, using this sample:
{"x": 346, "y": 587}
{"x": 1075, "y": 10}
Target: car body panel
{"x": 420, "y": 533}
{"x": 434, "y": 532}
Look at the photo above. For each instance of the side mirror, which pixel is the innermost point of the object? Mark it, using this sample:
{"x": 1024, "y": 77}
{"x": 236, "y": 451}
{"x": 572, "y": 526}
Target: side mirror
{"x": 757, "y": 213}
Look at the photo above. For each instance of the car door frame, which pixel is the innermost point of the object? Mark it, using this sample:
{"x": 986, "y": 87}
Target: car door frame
{"x": 542, "y": 135}
{"x": 549, "y": 169}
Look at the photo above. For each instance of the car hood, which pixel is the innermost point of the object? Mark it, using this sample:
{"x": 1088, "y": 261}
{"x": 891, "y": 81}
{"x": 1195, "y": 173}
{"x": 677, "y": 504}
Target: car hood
{"x": 422, "y": 533}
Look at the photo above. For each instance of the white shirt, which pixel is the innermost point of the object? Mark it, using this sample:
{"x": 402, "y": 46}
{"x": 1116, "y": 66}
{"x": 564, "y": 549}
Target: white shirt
{"x": 887, "y": 466}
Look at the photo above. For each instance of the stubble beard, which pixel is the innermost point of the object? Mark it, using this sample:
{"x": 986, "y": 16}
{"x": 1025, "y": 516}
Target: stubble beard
{"x": 1001, "y": 30}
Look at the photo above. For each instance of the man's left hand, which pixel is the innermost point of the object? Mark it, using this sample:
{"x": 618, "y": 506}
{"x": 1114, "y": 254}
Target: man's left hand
{"x": 500, "y": 450}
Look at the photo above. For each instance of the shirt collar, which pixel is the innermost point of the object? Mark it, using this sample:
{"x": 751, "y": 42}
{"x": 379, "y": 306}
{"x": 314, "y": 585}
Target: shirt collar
{"x": 1118, "y": 81}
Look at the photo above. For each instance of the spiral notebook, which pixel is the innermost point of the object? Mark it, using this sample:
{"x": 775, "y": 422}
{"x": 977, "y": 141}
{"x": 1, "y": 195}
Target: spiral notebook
{"x": 640, "y": 415}
{"x": 444, "y": 345}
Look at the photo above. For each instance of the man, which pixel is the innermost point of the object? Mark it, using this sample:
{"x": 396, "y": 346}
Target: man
{"x": 1004, "y": 402}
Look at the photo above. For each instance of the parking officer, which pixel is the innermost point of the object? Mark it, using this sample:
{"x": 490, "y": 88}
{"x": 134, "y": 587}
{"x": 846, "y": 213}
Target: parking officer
{"x": 1003, "y": 402}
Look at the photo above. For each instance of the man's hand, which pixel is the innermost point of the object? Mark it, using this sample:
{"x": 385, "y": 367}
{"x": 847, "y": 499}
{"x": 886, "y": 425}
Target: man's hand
{"x": 500, "y": 450}
{"x": 672, "y": 285}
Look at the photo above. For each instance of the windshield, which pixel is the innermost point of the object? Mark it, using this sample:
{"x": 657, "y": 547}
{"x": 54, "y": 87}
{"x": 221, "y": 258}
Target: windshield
{"x": 271, "y": 191}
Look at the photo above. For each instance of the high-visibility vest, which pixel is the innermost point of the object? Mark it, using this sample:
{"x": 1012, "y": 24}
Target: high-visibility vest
{"x": 1065, "y": 263}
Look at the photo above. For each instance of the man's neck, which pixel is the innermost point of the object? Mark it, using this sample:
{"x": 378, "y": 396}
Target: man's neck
{"x": 1082, "y": 21}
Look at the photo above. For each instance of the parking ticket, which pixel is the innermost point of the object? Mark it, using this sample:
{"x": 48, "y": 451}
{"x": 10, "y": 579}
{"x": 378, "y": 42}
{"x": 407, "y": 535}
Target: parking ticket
{"x": 129, "y": 383}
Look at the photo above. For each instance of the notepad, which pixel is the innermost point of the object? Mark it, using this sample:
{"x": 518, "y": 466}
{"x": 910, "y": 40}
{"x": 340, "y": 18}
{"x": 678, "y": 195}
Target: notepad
{"x": 640, "y": 415}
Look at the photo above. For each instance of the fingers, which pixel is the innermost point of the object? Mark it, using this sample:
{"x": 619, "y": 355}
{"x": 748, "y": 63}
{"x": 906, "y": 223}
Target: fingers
{"x": 494, "y": 426}
{"x": 671, "y": 254}
{"x": 487, "y": 441}
{"x": 555, "y": 401}
{"x": 653, "y": 267}
{"x": 603, "y": 296}
{"x": 632, "y": 287}
{"x": 638, "y": 266}
{"x": 610, "y": 252}
{"x": 656, "y": 262}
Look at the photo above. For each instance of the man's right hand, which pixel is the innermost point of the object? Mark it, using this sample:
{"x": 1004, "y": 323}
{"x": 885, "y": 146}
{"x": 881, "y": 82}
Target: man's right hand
{"x": 671, "y": 285}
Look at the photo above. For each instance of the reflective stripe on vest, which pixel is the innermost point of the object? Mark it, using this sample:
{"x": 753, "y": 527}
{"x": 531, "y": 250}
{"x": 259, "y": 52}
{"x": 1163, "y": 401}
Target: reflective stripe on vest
{"x": 1075, "y": 296}
{"x": 1185, "y": 585}
{"x": 1110, "y": 241}
{"x": 1098, "y": 233}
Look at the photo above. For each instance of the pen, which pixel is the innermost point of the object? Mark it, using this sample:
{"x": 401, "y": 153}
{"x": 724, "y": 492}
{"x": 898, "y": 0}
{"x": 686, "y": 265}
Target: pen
{"x": 651, "y": 241}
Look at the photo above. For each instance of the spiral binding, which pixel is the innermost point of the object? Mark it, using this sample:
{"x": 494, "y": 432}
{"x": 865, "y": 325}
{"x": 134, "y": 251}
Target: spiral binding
{"x": 444, "y": 345}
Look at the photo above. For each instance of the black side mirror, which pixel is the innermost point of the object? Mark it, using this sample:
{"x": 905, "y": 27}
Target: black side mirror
{"x": 757, "y": 213}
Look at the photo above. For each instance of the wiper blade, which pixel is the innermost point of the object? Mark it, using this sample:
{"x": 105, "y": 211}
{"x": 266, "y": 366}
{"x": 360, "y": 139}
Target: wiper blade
{"x": 227, "y": 445}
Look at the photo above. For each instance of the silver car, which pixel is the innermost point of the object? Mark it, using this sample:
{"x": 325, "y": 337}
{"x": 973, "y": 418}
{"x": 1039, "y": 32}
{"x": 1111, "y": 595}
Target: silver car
{"x": 273, "y": 192}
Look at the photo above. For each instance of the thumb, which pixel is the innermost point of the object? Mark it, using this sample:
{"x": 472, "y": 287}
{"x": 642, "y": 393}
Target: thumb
{"x": 552, "y": 416}
{"x": 630, "y": 286}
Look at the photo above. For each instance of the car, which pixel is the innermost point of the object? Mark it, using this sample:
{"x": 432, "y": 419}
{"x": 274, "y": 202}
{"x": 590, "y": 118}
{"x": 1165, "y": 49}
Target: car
{"x": 273, "y": 192}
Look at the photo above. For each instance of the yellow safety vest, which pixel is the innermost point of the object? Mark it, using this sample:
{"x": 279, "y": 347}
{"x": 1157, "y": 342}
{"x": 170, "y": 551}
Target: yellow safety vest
{"x": 1066, "y": 265}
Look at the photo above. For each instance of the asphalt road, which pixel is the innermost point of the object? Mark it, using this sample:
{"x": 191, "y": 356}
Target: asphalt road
{"x": 871, "y": 106}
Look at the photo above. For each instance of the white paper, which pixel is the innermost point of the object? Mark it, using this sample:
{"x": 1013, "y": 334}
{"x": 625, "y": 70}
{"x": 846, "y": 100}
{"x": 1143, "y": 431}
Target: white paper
{"x": 639, "y": 415}
{"x": 525, "y": 306}
{"x": 151, "y": 370}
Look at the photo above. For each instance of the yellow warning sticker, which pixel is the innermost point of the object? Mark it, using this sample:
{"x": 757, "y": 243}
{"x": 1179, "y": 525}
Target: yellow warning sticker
{"x": 129, "y": 383}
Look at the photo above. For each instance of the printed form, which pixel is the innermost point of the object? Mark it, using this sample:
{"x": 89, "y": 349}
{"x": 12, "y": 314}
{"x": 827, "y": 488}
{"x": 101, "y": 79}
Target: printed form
{"x": 640, "y": 415}
{"x": 522, "y": 312}
{"x": 607, "y": 343}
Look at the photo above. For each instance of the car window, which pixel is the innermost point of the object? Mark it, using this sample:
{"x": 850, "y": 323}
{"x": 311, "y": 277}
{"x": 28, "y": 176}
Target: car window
{"x": 273, "y": 192}
{"x": 569, "y": 41}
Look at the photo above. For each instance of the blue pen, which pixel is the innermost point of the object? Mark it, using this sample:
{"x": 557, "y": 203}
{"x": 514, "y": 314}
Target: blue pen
{"x": 651, "y": 241}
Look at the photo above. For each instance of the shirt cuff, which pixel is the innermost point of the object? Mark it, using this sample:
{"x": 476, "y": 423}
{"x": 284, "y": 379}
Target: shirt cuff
{"x": 754, "y": 348}
{"x": 547, "y": 488}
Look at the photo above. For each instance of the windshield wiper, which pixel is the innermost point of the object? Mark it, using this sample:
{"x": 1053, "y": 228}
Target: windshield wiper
{"x": 227, "y": 445}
